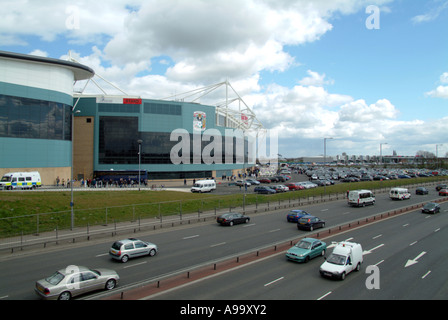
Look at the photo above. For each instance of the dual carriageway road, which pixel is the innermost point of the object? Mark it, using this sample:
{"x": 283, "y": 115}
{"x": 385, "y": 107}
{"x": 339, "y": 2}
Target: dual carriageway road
{"x": 391, "y": 242}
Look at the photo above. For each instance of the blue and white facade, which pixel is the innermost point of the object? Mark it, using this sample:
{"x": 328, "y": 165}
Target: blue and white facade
{"x": 40, "y": 116}
{"x": 36, "y": 100}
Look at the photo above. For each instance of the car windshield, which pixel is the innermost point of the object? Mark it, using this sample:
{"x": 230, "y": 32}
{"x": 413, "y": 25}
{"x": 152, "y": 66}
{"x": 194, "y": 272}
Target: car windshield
{"x": 304, "y": 245}
{"x": 336, "y": 259}
{"x": 6, "y": 179}
{"x": 55, "y": 278}
{"x": 430, "y": 205}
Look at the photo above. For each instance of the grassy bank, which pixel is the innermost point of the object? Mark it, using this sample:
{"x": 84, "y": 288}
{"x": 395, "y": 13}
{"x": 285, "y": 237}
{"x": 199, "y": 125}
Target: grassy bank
{"x": 31, "y": 212}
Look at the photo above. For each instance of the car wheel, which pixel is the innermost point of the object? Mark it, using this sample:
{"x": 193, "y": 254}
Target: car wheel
{"x": 66, "y": 295}
{"x": 247, "y": 220}
{"x": 231, "y": 223}
{"x": 343, "y": 276}
{"x": 124, "y": 259}
{"x": 110, "y": 284}
{"x": 322, "y": 253}
{"x": 307, "y": 258}
{"x": 152, "y": 252}
{"x": 311, "y": 228}
{"x": 358, "y": 267}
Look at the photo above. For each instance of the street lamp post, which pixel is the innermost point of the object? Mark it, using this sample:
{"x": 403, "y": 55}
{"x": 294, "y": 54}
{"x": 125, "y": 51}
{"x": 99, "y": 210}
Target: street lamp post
{"x": 381, "y": 152}
{"x": 139, "y": 161}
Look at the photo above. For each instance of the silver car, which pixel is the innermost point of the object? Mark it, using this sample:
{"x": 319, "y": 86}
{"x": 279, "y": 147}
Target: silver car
{"x": 125, "y": 249}
{"x": 75, "y": 280}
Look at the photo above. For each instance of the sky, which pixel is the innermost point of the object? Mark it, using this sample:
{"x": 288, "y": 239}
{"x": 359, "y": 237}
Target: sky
{"x": 366, "y": 73}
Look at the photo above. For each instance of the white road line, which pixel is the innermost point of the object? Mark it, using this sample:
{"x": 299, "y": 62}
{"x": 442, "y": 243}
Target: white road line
{"x": 327, "y": 294}
{"x": 411, "y": 244}
{"x": 274, "y": 230}
{"x": 267, "y": 284}
{"x": 191, "y": 237}
{"x": 405, "y": 225}
{"x": 438, "y": 229}
{"x": 101, "y": 255}
{"x": 379, "y": 262}
{"x": 218, "y": 244}
{"x": 249, "y": 225}
{"x": 134, "y": 265}
{"x": 426, "y": 274}
{"x": 378, "y": 236}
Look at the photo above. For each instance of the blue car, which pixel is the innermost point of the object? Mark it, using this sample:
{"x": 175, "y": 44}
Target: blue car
{"x": 295, "y": 215}
{"x": 306, "y": 249}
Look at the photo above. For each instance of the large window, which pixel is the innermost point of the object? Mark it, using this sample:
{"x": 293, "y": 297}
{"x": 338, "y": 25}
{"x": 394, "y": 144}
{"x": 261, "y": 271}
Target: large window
{"x": 34, "y": 119}
{"x": 118, "y": 138}
{"x": 118, "y": 144}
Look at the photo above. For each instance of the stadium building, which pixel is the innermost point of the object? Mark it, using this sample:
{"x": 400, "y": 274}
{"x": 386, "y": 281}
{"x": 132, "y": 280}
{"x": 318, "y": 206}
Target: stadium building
{"x": 114, "y": 136}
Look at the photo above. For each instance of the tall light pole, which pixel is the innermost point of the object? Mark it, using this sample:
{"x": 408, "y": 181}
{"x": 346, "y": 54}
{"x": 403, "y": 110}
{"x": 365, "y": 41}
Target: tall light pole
{"x": 325, "y": 149}
{"x": 72, "y": 204}
{"x": 139, "y": 160}
{"x": 325, "y": 160}
{"x": 381, "y": 152}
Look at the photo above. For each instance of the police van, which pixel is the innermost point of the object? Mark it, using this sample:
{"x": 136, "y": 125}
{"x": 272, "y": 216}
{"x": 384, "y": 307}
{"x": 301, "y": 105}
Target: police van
{"x": 360, "y": 198}
{"x": 20, "y": 180}
{"x": 204, "y": 186}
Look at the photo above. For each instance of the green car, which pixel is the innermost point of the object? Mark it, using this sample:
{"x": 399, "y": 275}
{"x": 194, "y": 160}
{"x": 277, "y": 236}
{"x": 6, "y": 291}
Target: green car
{"x": 306, "y": 249}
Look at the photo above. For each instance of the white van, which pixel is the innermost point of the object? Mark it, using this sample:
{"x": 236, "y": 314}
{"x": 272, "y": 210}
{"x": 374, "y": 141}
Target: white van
{"x": 360, "y": 198}
{"x": 204, "y": 186}
{"x": 20, "y": 180}
{"x": 399, "y": 194}
{"x": 346, "y": 257}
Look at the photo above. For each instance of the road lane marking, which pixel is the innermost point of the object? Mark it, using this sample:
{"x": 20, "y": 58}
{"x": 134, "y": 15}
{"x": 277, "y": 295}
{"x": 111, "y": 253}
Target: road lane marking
{"x": 414, "y": 261}
{"x": 249, "y": 225}
{"x": 190, "y": 237}
{"x": 134, "y": 265}
{"x": 275, "y": 230}
{"x": 327, "y": 294}
{"x": 379, "y": 262}
{"x": 370, "y": 251}
{"x": 411, "y": 244}
{"x": 426, "y": 274}
{"x": 102, "y": 255}
{"x": 218, "y": 244}
{"x": 378, "y": 236}
{"x": 268, "y": 284}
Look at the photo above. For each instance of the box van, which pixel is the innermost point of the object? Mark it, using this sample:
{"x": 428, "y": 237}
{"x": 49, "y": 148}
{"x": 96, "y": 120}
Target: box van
{"x": 399, "y": 193}
{"x": 346, "y": 257}
{"x": 20, "y": 180}
{"x": 204, "y": 186}
{"x": 361, "y": 198}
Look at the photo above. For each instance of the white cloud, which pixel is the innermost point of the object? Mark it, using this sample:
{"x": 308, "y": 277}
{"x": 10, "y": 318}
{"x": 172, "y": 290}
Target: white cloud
{"x": 441, "y": 91}
{"x": 315, "y": 79}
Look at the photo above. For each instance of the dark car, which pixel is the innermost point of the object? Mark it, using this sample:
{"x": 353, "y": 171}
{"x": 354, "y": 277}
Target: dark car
{"x": 310, "y": 223}
{"x": 421, "y": 190}
{"x": 441, "y": 186}
{"x": 263, "y": 189}
{"x": 231, "y": 218}
{"x": 295, "y": 215}
{"x": 431, "y": 207}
